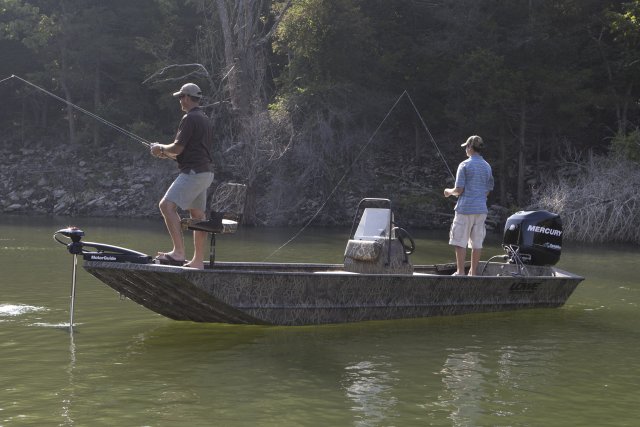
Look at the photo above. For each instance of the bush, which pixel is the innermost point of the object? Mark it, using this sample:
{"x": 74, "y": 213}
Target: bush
{"x": 598, "y": 199}
{"x": 627, "y": 145}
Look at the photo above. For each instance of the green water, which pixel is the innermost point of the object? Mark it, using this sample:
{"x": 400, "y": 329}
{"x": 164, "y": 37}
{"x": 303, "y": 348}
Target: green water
{"x": 126, "y": 366}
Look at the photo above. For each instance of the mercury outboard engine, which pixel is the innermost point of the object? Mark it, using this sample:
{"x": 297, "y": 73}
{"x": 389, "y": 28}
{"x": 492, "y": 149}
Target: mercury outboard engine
{"x": 533, "y": 237}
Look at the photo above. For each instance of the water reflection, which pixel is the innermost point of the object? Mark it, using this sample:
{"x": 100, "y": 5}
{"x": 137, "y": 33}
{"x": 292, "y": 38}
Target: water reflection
{"x": 69, "y": 392}
{"x": 463, "y": 377}
{"x": 369, "y": 385}
{"x": 478, "y": 386}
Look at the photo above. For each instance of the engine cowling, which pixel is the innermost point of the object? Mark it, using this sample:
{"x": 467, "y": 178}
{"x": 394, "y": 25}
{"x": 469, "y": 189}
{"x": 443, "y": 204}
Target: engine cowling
{"x": 536, "y": 237}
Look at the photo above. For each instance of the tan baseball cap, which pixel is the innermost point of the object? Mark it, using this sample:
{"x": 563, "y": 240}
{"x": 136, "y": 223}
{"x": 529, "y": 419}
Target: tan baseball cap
{"x": 474, "y": 141}
{"x": 190, "y": 89}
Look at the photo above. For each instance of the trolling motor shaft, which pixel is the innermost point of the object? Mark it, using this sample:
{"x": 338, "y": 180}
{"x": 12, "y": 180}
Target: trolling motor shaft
{"x": 74, "y": 248}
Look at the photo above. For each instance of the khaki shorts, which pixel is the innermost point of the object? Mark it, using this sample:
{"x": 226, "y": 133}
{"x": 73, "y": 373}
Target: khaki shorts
{"x": 189, "y": 191}
{"x": 468, "y": 230}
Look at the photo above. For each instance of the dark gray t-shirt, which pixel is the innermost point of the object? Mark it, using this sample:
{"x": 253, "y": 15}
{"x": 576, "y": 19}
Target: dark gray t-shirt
{"x": 194, "y": 133}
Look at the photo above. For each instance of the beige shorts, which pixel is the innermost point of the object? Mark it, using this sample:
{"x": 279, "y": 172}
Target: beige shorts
{"x": 468, "y": 230}
{"x": 189, "y": 191}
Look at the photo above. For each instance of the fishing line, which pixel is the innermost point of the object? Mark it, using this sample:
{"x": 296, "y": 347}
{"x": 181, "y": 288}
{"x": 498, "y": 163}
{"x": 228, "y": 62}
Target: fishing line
{"x": 340, "y": 181}
{"x": 430, "y": 136}
{"x": 82, "y": 110}
{"x": 355, "y": 161}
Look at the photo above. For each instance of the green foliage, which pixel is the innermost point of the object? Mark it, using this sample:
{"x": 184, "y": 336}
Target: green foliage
{"x": 625, "y": 25}
{"x": 324, "y": 41}
{"x": 627, "y": 146}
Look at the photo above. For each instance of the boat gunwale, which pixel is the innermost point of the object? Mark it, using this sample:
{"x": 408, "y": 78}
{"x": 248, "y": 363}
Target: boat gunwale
{"x": 318, "y": 269}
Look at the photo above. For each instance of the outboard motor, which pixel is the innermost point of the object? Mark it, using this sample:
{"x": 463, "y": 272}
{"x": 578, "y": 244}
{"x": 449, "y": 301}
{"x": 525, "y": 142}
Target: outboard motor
{"x": 534, "y": 237}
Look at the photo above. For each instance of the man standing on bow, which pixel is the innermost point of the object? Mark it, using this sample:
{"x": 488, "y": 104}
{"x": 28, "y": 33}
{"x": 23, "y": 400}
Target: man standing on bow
{"x": 191, "y": 149}
{"x": 474, "y": 181}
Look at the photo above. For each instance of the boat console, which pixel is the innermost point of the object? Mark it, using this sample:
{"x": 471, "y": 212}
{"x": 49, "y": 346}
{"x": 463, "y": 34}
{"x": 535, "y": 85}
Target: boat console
{"x": 376, "y": 246}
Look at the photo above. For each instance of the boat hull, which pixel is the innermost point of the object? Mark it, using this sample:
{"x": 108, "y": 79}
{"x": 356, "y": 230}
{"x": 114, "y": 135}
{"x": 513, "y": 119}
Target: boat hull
{"x": 307, "y": 294}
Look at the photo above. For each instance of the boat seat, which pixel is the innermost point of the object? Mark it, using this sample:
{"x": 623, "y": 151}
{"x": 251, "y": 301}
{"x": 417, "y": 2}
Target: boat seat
{"x": 218, "y": 223}
{"x": 226, "y": 209}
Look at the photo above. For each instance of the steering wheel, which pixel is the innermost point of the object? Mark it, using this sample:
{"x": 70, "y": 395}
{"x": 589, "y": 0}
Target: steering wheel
{"x": 401, "y": 235}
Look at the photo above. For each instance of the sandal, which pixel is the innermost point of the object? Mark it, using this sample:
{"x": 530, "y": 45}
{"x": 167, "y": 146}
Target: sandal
{"x": 167, "y": 259}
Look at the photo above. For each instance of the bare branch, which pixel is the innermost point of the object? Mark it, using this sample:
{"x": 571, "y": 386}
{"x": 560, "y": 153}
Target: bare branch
{"x": 275, "y": 25}
{"x": 198, "y": 70}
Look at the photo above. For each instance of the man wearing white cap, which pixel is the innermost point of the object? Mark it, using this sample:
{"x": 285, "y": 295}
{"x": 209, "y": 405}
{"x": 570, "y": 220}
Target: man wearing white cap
{"x": 474, "y": 181}
{"x": 191, "y": 149}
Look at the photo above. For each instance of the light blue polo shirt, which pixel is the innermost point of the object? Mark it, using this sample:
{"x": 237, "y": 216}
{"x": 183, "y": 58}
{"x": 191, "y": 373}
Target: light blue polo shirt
{"x": 474, "y": 175}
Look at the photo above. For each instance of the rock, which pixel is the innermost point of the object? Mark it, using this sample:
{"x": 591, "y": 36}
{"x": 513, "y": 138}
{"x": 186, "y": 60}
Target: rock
{"x": 94, "y": 201}
{"x": 59, "y": 207}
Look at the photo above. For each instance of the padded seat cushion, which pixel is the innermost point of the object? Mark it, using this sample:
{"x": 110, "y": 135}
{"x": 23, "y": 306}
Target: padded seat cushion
{"x": 363, "y": 250}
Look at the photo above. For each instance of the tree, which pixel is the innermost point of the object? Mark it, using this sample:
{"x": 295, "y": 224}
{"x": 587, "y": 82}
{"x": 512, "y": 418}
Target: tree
{"x": 250, "y": 137}
{"x": 88, "y": 50}
{"x": 618, "y": 40}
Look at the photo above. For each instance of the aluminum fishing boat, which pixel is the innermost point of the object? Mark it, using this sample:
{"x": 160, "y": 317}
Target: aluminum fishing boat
{"x": 377, "y": 280}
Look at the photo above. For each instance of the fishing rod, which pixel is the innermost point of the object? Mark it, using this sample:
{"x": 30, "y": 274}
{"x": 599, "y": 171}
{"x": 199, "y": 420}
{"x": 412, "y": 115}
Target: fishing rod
{"x": 82, "y": 110}
{"x": 405, "y": 93}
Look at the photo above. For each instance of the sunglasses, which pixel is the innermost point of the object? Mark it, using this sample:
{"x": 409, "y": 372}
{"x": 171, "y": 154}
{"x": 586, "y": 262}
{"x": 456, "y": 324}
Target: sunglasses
{"x": 182, "y": 95}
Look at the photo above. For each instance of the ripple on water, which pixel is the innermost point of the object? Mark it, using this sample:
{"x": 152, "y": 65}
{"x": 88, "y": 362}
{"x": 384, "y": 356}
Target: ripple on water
{"x": 15, "y": 310}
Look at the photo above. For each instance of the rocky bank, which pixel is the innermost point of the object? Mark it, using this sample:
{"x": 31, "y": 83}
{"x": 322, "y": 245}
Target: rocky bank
{"x": 129, "y": 182}
{"x": 39, "y": 180}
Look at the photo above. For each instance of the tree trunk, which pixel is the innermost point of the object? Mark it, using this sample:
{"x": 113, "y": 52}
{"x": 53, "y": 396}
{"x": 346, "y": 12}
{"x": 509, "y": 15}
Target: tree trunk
{"x": 521, "y": 153}
{"x": 67, "y": 96}
{"x": 502, "y": 169}
{"x": 237, "y": 46}
{"x": 64, "y": 76}
{"x": 229, "y": 55}
{"x": 97, "y": 89}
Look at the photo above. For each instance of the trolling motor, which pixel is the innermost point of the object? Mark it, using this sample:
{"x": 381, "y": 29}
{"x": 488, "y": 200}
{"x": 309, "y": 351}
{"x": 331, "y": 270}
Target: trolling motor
{"x": 92, "y": 251}
{"x": 99, "y": 252}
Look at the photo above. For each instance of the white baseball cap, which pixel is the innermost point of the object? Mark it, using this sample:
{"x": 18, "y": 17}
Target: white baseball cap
{"x": 190, "y": 89}
{"x": 474, "y": 141}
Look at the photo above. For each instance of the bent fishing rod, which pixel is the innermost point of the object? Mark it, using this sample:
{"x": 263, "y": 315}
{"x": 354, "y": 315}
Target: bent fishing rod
{"x": 82, "y": 110}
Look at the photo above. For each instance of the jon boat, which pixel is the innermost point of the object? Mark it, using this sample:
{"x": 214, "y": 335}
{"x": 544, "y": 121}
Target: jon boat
{"x": 377, "y": 280}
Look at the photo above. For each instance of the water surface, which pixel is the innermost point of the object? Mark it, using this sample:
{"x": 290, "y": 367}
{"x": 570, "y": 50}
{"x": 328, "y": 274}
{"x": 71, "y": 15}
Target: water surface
{"x": 127, "y": 366}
